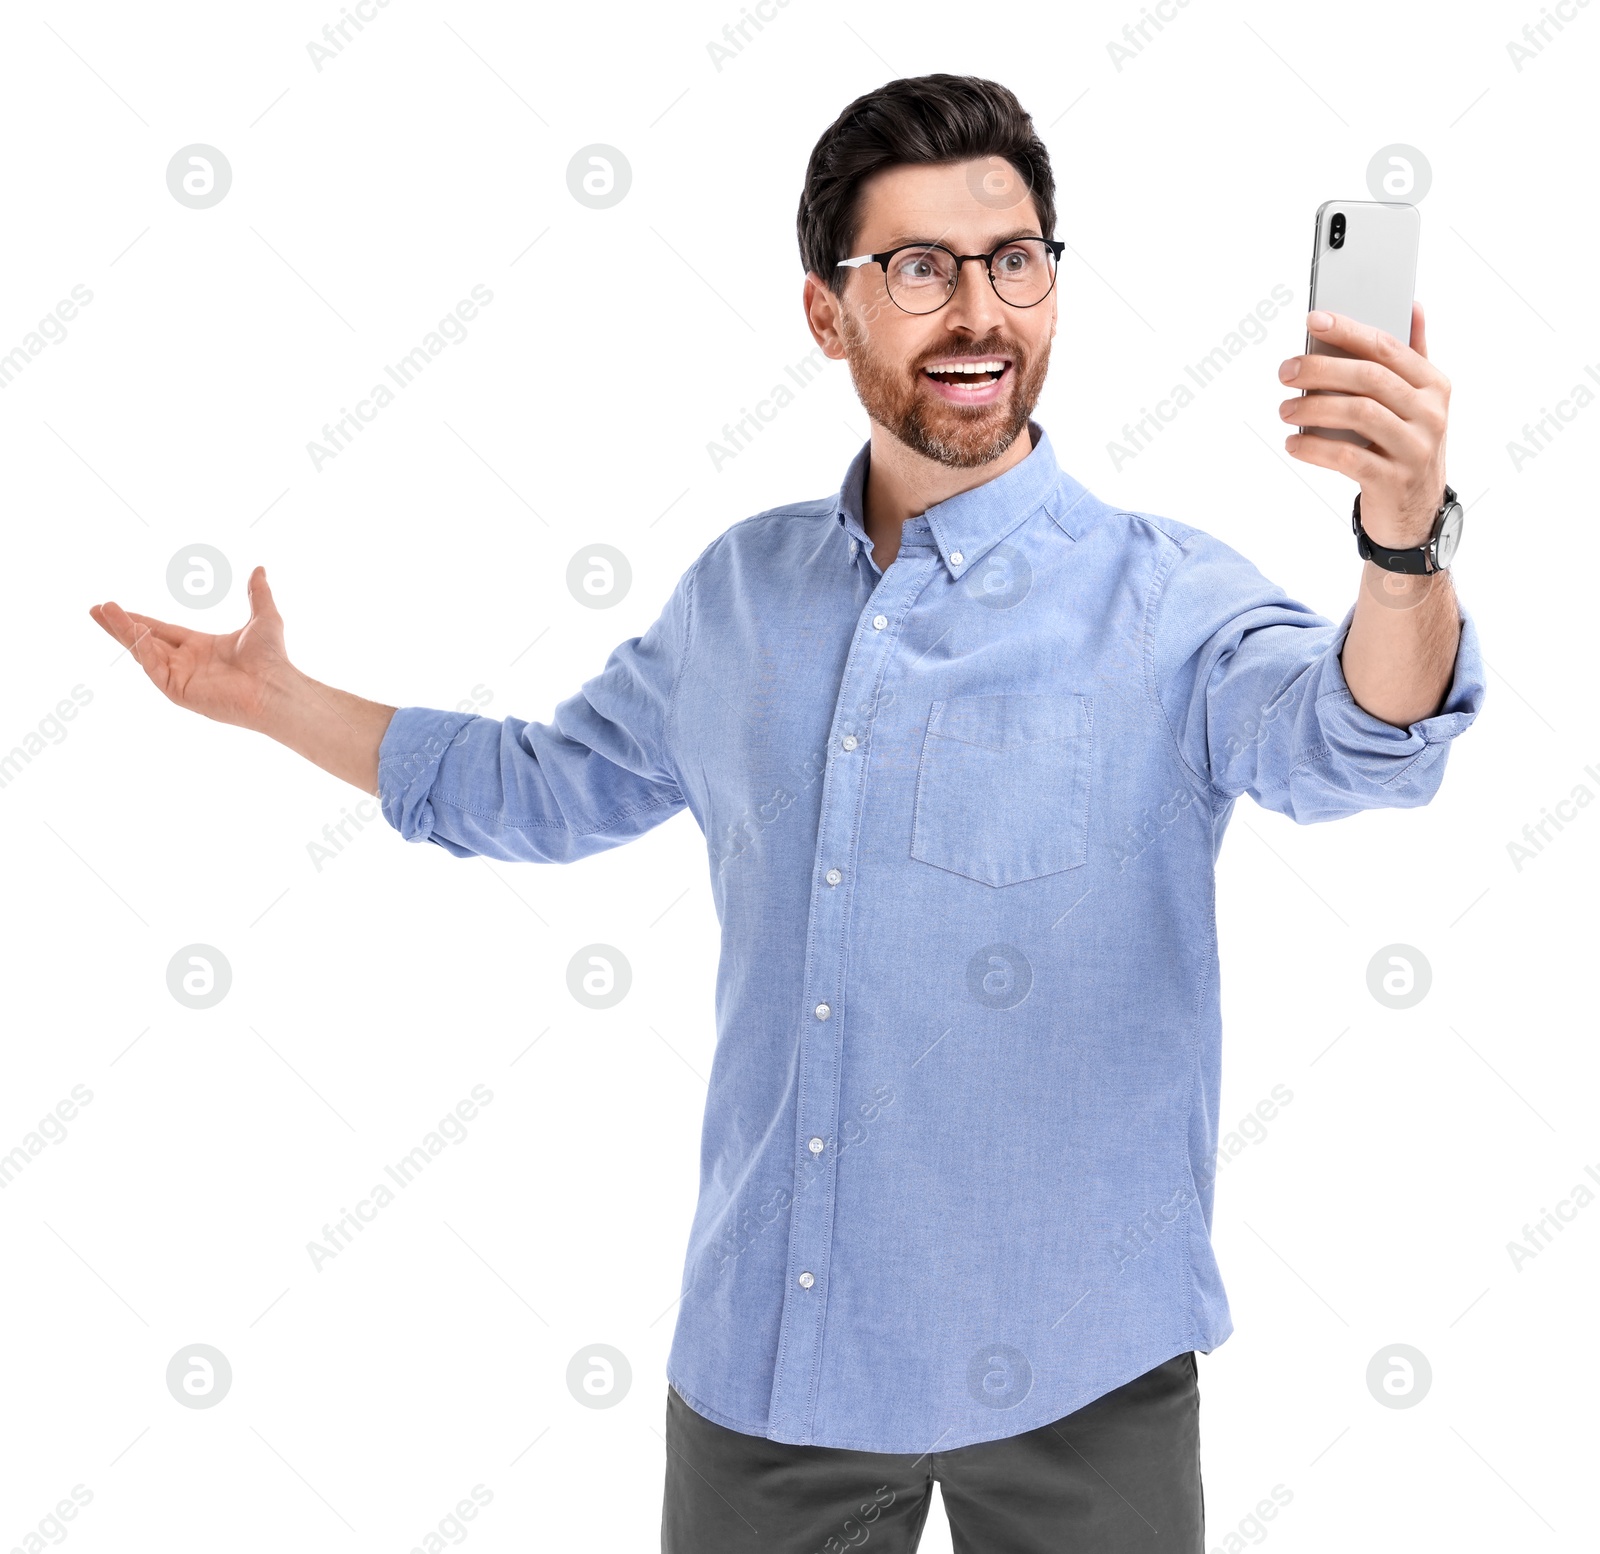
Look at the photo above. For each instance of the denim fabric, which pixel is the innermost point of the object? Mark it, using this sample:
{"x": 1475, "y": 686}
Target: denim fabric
{"x": 961, "y": 815}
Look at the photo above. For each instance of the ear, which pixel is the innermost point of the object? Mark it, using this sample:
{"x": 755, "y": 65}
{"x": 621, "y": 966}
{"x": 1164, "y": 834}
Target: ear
{"x": 822, "y": 310}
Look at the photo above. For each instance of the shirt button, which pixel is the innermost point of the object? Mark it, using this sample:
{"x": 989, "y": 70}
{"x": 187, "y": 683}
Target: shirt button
{"x": 955, "y": 558}
{"x": 879, "y": 622}
{"x": 849, "y": 741}
{"x": 833, "y": 876}
{"x": 823, "y": 1011}
{"x": 852, "y": 550}
{"x": 807, "y": 1280}
{"x": 816, "y": 1146}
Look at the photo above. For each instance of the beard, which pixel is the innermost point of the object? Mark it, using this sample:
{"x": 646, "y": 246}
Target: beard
{"x": 959, "y": 436}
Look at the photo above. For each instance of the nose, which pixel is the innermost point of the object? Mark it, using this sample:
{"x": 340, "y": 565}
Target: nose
{"x": 974, "y": 302}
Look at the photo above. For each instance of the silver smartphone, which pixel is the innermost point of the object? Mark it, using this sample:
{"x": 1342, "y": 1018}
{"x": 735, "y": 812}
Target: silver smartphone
{"x": 1364, "y": 265}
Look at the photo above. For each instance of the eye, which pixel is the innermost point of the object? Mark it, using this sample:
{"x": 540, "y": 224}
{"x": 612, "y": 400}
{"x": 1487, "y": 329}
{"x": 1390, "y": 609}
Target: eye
{"x": 920, "y": 266}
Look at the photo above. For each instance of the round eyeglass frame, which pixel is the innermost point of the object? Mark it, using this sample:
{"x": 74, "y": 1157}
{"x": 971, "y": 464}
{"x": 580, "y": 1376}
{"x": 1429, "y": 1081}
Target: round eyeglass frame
{"x": 1055, "y": 246}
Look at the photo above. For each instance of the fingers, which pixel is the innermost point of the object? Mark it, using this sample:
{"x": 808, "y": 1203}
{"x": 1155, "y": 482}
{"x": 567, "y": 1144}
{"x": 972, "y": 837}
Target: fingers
{"x": 149, "y": 651}
{"x": 1351, "y": 375}
{"x": 1373, "y": 345}
{"x": 1358, "y": 463}
{"x": 1355, "y": 413}
{"x": 165, "y": 630}
{"x": 127, "y": 625}
{"x": 115, "y": 622}
{"x": 1419, "y": 330}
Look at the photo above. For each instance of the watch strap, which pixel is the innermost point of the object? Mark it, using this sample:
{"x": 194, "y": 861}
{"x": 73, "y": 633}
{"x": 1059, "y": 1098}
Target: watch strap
{"x": 1416, "y": 559}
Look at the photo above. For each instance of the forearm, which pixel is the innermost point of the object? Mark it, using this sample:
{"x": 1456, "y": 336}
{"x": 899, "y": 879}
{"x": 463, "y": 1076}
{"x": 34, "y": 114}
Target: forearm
{"x": 332, "y": 728}
{"x": 1400, "y": 652}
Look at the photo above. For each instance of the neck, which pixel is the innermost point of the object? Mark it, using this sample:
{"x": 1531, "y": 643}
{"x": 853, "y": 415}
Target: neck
{"x": 902, "y": 483}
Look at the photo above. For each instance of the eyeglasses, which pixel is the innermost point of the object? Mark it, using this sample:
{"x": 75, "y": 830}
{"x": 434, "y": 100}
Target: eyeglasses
{"x": 922, "y": 277}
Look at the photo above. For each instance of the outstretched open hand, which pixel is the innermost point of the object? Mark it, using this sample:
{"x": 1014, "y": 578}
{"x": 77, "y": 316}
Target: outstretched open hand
{"x": 229, "y": 678}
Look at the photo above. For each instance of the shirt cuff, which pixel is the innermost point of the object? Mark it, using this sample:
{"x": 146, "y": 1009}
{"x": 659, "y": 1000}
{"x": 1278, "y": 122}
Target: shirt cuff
{"x": 1349, "y": 730}
{"x": 409, "y": 756}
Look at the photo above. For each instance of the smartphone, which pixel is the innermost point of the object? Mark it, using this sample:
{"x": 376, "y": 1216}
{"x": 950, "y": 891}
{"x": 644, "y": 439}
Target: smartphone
{"x": 1364, "y": 265}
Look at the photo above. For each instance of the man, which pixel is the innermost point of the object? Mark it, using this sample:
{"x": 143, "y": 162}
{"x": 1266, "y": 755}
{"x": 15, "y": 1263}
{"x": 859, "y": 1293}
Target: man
{"x": 963, "y": 740}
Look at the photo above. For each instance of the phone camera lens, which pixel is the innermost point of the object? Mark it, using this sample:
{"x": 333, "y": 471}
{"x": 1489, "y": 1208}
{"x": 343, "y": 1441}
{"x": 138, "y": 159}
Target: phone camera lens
{"x": 1336, "y": 230}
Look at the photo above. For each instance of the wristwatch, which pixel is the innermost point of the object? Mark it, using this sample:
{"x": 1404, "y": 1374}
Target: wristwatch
{"x": 1433, "y": 555}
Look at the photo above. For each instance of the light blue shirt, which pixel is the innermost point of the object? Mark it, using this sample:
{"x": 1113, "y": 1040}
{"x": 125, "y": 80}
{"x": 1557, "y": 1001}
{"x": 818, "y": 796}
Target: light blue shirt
{"x": 961, "y": 816}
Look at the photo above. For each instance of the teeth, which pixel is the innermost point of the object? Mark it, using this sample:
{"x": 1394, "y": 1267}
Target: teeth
{"x": 968, "y": 367}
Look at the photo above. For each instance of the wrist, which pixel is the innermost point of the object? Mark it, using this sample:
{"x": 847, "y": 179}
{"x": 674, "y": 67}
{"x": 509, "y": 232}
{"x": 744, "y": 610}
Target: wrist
{"x": 283, "y": 694}
{"x": 1431, "y": 552}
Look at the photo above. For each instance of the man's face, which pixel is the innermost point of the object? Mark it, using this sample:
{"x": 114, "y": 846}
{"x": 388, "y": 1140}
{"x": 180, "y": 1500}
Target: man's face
{"x": 970, "y": 208}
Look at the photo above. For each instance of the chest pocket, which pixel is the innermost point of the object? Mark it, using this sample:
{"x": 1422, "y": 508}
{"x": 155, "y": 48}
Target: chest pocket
{"x": 1003, "y": 786}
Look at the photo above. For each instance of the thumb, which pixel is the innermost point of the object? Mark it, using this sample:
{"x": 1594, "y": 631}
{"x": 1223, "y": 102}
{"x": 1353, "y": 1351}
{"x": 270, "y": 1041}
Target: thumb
{"x": 261, "y": 601}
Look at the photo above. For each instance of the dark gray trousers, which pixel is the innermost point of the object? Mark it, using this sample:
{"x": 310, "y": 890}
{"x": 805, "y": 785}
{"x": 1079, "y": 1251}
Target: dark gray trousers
{"x": 1121, "y": 1475}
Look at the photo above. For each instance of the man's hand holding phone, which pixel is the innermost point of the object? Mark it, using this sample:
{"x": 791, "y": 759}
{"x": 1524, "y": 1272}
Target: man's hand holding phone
{"x": 1392, "y": 395}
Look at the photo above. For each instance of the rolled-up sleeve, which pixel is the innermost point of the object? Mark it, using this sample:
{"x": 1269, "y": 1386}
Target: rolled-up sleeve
{"x": 1251, "y": 686}
{"x": 601, "y": 772}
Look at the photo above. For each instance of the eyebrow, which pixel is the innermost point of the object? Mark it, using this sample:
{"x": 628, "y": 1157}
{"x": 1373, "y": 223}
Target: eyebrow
{"x": 901, "y": 240}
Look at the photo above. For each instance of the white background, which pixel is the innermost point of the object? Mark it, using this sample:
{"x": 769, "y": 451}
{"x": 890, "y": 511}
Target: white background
{"x": 371, "y": 995}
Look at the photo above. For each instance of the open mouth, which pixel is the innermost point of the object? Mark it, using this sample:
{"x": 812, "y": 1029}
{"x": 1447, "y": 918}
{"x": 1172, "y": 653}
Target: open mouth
{"x": 968, "y": 373}
{"x": 974, "y": 380}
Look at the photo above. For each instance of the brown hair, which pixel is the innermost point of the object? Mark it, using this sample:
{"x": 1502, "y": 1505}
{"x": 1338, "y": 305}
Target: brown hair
{"x": 917, "y": 119}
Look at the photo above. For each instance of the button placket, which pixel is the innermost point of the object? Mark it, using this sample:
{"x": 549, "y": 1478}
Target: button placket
{"x": 822, "y": 1029}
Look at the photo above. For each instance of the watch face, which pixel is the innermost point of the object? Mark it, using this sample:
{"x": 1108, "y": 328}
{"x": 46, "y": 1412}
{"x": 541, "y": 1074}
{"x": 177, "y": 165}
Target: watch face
{"x": 1449, "y": 535}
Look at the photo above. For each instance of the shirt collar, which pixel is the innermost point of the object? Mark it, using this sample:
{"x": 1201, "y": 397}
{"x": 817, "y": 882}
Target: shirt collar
{"x": 971, "y": 523}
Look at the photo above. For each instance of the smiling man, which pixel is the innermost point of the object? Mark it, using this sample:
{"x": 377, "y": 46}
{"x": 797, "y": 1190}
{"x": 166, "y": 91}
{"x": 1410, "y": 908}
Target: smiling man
{"x": 963, "y": 740}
